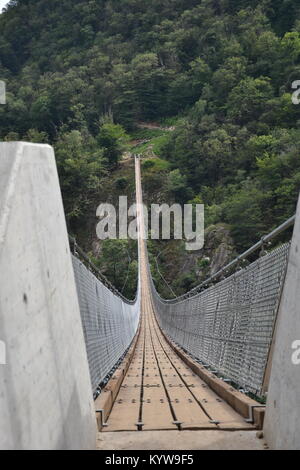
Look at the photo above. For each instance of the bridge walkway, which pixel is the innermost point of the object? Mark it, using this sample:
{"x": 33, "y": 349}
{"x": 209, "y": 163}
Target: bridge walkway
{"x": 159, "y": 391}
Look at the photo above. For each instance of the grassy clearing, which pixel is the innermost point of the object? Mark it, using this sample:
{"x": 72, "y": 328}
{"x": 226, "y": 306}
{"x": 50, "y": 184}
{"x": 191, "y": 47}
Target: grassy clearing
{"x": 140, "y": 134}
{"x": 156, "y": 165}
{"x": 159, "y": 142}
{"x": 154, "y": 146}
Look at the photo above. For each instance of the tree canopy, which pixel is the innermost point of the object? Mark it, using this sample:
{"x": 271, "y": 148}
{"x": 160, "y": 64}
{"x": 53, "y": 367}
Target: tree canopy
{"x": 82, "y": 74}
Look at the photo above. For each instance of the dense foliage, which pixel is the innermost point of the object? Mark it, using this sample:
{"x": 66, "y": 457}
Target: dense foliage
{"x": 80, "y": 72}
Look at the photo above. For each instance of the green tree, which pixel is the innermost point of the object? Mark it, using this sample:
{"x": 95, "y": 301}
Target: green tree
{"x": 112, "y": 138}
{"x": 247, "y": 100}
{"x": 80, "y": 166}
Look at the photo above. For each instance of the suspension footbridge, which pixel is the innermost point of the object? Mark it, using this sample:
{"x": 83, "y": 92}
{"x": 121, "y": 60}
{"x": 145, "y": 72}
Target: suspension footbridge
{"x": 159, "y": 390}
{"x": 191, "y": 355}
{"x": 215, "y": 359}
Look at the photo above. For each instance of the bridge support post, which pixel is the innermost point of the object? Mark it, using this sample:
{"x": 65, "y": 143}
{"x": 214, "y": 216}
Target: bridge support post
{"x": 282, "y": 421}
{"x": 45, "y": 390}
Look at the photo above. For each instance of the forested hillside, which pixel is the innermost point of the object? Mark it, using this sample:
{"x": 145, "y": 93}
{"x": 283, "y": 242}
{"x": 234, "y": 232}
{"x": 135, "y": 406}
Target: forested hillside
{"x": 82, "y": 75}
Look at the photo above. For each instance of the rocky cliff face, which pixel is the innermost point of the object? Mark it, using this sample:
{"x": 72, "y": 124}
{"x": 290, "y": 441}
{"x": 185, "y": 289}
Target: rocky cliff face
{"x": 218, "y": 247}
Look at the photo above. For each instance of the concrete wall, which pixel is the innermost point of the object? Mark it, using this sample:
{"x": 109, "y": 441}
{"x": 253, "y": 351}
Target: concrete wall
{"x": 282, "y": 422}
{"x": 45, "y": 392}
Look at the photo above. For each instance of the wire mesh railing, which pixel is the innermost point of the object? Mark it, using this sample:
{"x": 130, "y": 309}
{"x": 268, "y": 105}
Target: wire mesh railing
{"x": 80, "y": 254}
{"x": 109, "y": 320}
{"x": 229, "y": 326}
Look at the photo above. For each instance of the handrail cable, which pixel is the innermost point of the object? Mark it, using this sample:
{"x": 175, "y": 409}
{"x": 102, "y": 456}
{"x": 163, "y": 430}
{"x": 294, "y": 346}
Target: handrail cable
{"x": 260, "y": 244}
